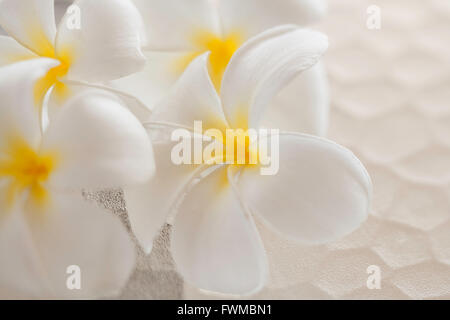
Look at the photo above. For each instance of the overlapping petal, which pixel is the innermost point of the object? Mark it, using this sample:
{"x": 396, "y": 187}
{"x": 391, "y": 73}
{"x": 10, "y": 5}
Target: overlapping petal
{"x": 77, "y": 233}
{"x": 260, "y": 69}
{"x": 171, "y": 24}
{"x": 11, "y": 51}
{"x": 193, "y": 98}
{"x": 254, "y": 16}
{"x": 107, "y": 45}
{"x": 30, "y": 22}
{"x": 100, "y": 144}
{"x": 302, "y": 106}
{"x": 19, "y": 116}
{"x": 321, "y": 192}
{"x": 21, "y": 273}
{"x": 152, "y": 84}
{"x": 149, "y": 205}
{"x": 214, "y": 242}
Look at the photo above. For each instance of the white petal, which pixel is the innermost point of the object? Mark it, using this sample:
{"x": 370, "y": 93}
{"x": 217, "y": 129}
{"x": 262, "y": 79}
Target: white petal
{"x": 155, "y": 81}
{"x": 254, "y": 16}
{"x": 100, "y": 144}
{"x": 171, "y": 24}
{"x": 215, "y": 244}
{"x": 321, "y": 192}
{"x": 71, "y": 88}
{"x": 31, "y": 22}
{"x": 21, "y": 272}
{"x": 193, "y": 98}
{"x": 149, "y": 205}
{"x": 303, "y": 105}
{"x": 11, "y": 51}
{"x": 107, "y": 45}
{"x": 18, "y": 113}
{"x": 74, "y": 232}
{"x": 54, "y": 102}
{"x": 265, "y": 65}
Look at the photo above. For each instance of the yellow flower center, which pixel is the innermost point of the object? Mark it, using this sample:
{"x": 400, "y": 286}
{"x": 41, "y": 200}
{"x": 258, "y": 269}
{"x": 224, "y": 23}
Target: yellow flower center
{"x": 239, "y": 149}
{"x": 221, "y": 48}
{"x": 25, "y": 170}
{"x": 52, "y": 79}
{"x": 44, "y": 48}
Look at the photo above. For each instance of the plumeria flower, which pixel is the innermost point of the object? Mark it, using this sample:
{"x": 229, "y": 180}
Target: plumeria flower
{"x": 103, "y": 45}
{"x": 320, "y": 193}
{"x": 45, "y": 225}
{"x": 178, "y": 31}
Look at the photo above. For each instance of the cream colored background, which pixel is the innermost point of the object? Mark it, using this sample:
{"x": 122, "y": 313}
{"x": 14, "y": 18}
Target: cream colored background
{"x": 390, "y": 93}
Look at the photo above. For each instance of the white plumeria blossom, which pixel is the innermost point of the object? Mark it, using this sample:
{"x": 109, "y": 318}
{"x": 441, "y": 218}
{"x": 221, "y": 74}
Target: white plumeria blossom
{"x": 321, "y": 192}
{"x": 46, "y": 226}
{"x": 178, "y": 31}
{"x": 107, "y": 46}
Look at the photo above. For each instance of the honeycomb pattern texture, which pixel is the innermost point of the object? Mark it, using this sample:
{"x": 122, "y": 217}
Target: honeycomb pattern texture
{"x": 390, "y": 93}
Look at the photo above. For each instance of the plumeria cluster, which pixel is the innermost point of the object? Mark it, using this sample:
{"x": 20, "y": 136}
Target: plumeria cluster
{"x": 95, "y": 107}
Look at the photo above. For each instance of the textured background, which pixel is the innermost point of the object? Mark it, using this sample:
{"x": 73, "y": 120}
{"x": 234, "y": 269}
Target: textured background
{"x": 390, "y": 93}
